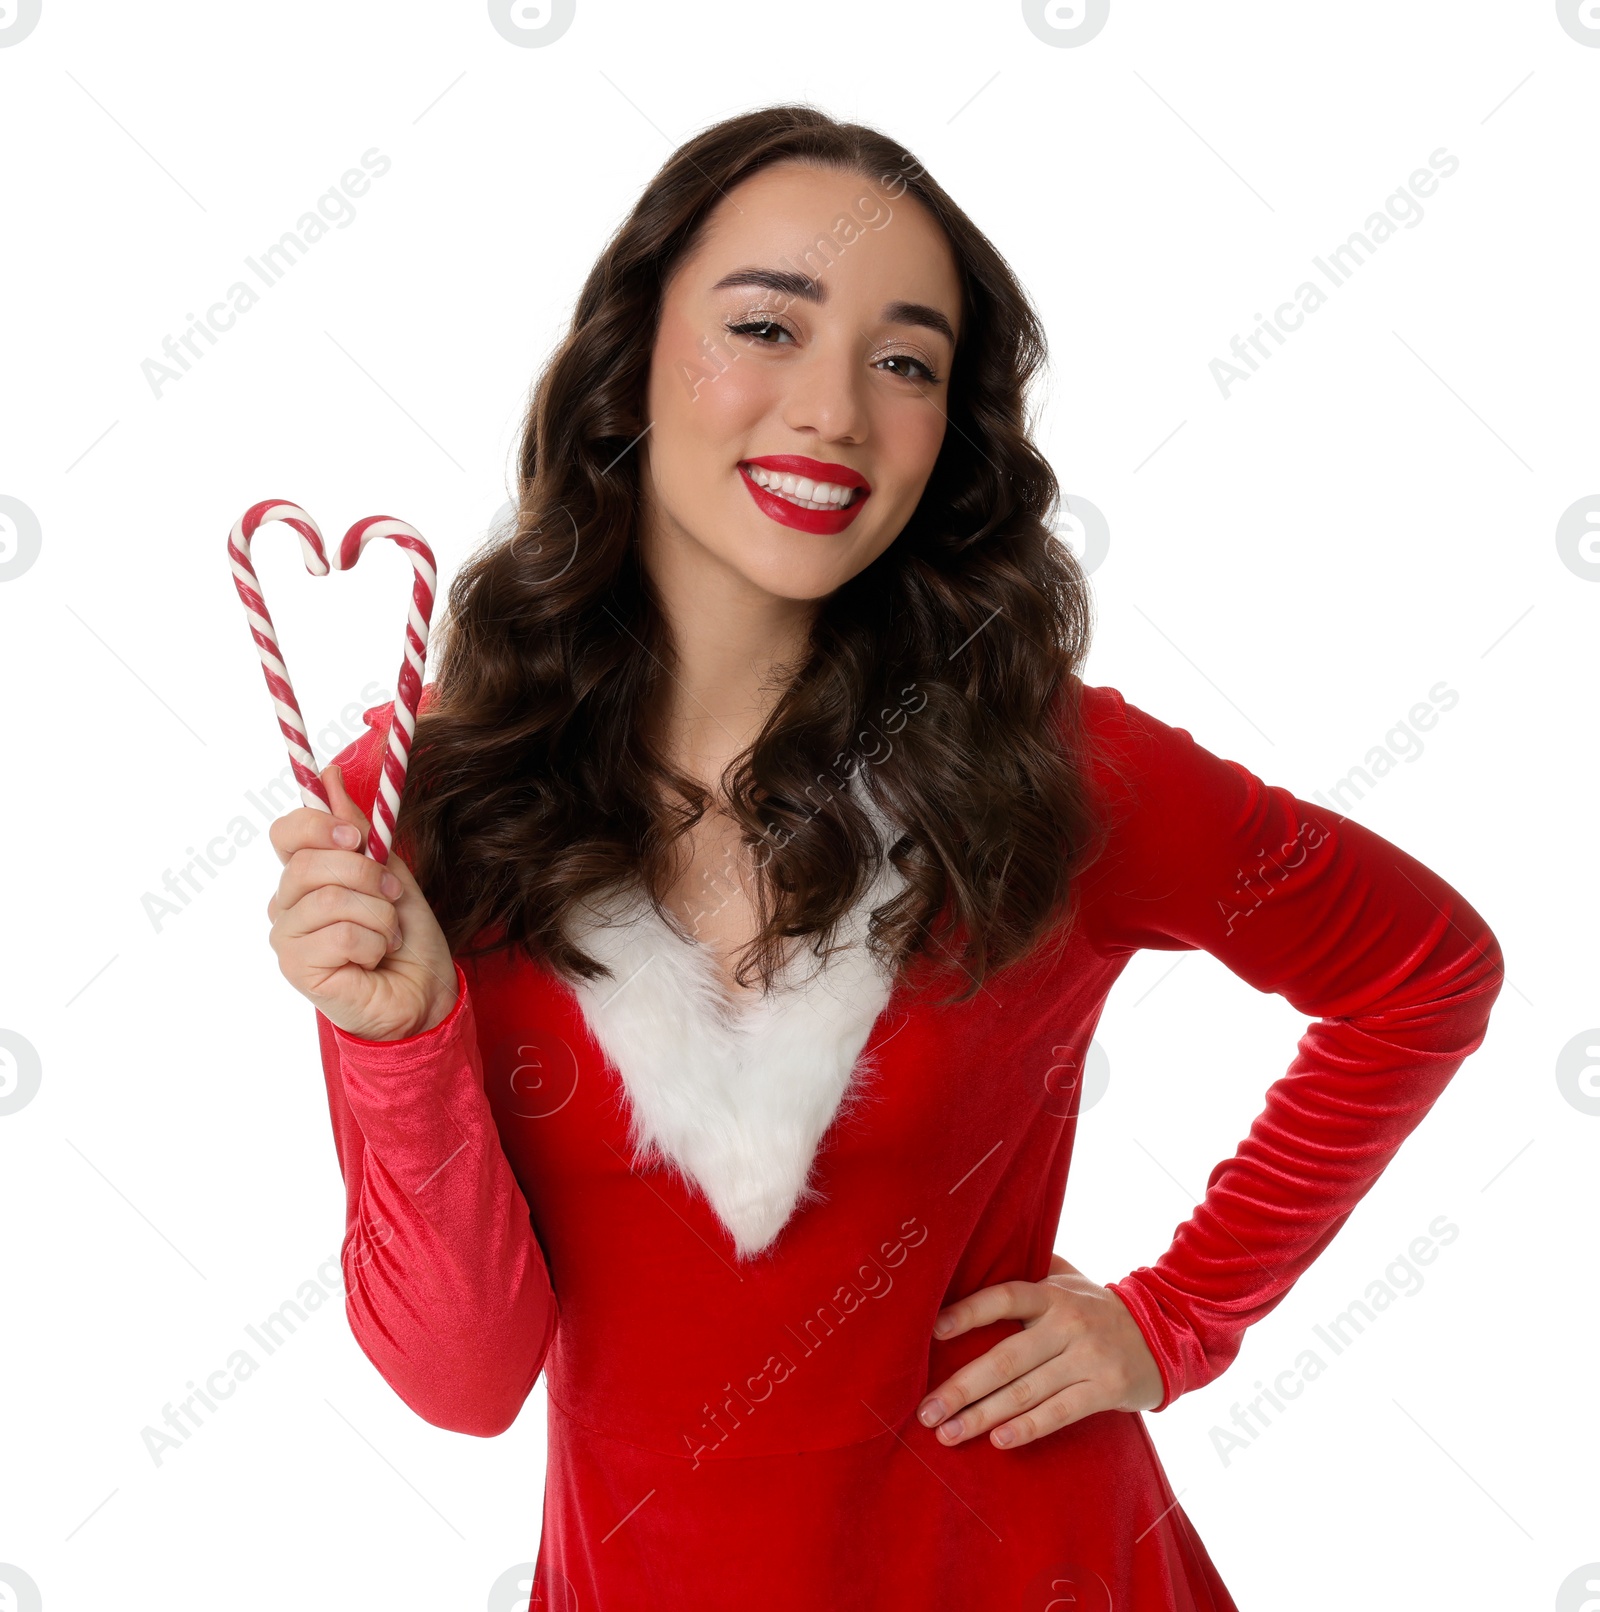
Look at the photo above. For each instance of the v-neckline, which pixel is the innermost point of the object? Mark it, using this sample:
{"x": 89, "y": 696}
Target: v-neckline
{"x": 744, "y": 1005}
{"x": 737, "y": 1096}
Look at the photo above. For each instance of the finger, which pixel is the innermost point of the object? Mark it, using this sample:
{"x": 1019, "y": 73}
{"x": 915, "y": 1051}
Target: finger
{"x": 989, "y": 1304}
{"x": 309, "y": 827}
{"x": 305, "y": 828}
{"x": 303, "y": 885}
{"x": 1008, "y": 1360}
{"x": 345, "y": 809}
{"x": 333, "y": 904}
{"x": 1011, "y": 1398}
{"x": 1071, "y": 1404}
{"x": 325, "y": 951}
{"x": 308, "y": 869}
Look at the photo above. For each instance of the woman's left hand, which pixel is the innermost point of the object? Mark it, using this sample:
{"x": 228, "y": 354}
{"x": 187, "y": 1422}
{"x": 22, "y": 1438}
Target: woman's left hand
{"x": 1079, "y": 1352}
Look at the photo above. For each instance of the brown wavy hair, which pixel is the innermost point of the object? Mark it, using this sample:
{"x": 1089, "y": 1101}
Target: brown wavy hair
{"x": 944, "y": 676}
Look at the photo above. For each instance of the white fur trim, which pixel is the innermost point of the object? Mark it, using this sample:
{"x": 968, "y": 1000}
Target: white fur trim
{"x": 738, "y": 1099}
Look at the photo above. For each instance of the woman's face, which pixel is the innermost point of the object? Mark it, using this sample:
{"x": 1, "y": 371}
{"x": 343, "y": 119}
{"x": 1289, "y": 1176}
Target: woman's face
{"x": 803, "y": 353}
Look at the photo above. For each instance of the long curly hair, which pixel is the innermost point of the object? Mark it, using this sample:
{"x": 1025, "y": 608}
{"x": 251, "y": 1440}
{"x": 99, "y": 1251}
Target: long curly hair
{"x": 943, "y": 678}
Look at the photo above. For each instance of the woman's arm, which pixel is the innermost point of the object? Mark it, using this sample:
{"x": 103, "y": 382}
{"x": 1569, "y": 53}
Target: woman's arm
{"x": 1396, "y": 969}
{"x": 447, "y": 1290}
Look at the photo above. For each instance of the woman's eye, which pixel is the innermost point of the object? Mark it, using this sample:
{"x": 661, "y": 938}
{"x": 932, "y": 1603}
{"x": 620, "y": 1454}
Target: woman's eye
{"x": 766, "y": 332}
{"x": 756, "y": 328}
{"x": 916, "y": 363}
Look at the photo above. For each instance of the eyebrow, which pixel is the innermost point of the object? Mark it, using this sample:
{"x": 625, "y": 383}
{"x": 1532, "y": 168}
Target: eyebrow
{"x": 807, "y": 288}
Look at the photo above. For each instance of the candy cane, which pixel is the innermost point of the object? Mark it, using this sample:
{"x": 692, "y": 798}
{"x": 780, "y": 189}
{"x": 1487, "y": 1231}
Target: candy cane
{"x": 386, "y": 803}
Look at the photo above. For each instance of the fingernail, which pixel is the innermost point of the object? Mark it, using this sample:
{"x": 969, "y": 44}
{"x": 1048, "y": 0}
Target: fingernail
{"x": 941, "y": 1327}
{"x": 390, "y": 885}
{"x": 951, "y": 1430}
{"x": 1004, "y": 1436}
{"x": 395, "y": 942}
{"x": 931, "y": 1412}
{"x": 346, "y": 834}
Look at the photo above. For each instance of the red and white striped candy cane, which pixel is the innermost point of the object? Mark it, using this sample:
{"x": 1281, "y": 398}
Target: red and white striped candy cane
{"x": 386, "y": 803}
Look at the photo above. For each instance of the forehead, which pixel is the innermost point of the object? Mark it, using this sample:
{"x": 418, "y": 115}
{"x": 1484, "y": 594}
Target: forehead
{"x": 842, "y": 228}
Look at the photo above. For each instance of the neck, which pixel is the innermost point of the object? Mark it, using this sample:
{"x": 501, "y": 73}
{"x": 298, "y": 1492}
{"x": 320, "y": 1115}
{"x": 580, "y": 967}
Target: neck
{"x": 736, "y": 649}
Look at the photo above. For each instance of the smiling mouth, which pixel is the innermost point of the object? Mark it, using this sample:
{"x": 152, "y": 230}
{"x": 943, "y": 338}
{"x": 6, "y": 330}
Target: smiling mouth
{"x": 802, "y": 491}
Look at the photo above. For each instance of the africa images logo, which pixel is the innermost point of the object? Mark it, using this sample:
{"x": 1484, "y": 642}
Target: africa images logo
{"x": 1402, "y": 208}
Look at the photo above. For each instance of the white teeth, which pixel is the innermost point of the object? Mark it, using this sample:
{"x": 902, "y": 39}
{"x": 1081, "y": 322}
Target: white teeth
{"x": 802, "y": 490}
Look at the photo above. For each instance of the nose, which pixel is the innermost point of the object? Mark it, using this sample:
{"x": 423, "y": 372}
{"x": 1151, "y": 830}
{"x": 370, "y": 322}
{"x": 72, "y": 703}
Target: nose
{"x": 825, "y": 393}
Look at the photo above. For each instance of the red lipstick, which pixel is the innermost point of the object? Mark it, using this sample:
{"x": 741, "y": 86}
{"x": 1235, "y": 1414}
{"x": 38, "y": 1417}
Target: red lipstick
{"x": 822, "y": 521}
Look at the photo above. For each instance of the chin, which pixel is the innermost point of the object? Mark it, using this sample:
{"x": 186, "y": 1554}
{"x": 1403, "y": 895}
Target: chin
{"x": 801, "y": 567}
{"x": 803, "y": 589}
{"x": 802, "y": 584}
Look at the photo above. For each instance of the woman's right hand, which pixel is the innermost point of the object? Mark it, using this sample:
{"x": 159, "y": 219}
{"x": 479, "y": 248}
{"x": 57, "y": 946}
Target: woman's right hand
{"x": 355, "y": 937}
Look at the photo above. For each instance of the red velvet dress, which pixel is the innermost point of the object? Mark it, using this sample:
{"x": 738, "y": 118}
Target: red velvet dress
{"x": 728, "y": 1434}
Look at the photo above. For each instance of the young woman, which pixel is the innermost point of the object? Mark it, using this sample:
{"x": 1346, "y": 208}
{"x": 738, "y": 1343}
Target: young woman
{"x": 713, "y": 1047}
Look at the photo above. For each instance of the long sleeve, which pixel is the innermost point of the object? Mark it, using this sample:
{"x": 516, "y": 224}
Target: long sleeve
{"x": 447, "y": 1290}
{"x": 1397, "y": 970}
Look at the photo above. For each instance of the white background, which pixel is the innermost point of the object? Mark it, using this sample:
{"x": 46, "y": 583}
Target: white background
{"x": 1291, "y": 569}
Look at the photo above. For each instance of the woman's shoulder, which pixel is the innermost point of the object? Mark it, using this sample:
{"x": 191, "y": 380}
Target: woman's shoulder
{"x": 1131, "y": 754}
{"x": 1176, "y": 814}
{"x": 361, "y": 761}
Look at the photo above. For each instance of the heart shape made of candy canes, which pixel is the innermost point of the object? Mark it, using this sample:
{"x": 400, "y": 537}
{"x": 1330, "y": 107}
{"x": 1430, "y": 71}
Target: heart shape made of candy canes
{"x": 386, "y": 803}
